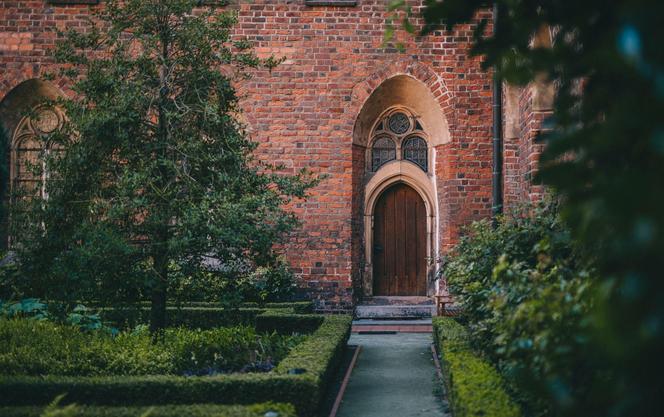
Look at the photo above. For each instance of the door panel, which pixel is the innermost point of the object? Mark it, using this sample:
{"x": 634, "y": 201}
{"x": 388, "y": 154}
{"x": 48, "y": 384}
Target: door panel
{"x": 399, "y": 243}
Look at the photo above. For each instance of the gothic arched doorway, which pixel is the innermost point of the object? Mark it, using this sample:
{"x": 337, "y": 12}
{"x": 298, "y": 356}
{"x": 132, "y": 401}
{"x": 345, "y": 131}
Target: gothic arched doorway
{"x": 399, "y": 243}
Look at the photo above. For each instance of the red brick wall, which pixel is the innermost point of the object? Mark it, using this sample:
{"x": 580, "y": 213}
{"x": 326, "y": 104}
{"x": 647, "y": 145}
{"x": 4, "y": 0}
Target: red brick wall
{"x": 303, "y": 114}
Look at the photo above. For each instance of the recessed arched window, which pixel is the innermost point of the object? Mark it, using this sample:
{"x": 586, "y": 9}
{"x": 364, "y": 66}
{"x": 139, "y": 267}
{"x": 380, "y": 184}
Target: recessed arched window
{"x": 398, "y": 134}
{"x": 383, "y": 151}
{"x": 29, "y": 149}
{"x": 414, "y": 149}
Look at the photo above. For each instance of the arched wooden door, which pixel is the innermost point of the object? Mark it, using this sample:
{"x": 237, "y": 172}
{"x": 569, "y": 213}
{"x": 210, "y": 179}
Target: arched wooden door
{"x": 399, "y": 252}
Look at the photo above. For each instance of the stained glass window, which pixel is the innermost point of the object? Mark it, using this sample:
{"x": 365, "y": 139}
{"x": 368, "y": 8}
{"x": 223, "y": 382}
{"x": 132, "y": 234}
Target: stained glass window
{"x": 384, "y": 150}
{"x": 415, "y": 150}
{"x": 399, "y": 123}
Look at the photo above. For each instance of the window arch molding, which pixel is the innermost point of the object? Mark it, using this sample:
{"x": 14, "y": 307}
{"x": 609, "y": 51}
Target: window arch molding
{"x": 401, "y": 125}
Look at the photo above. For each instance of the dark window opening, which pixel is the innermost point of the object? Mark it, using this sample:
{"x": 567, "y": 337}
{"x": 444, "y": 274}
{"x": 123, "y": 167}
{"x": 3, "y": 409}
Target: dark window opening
{"x": 384, "y": 150}
{"x": 415, "y": 150}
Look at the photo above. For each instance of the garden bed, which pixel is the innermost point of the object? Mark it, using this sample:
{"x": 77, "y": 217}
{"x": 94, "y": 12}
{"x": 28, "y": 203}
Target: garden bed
{"x": 474, "y": 387}
{"x": 300, "y": 378}
{"x": 33, "y": 348}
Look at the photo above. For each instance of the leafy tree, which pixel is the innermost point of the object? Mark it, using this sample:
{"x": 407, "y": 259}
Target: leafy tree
{"x": 154, "y": 173}
{"x": 604, "y": 156}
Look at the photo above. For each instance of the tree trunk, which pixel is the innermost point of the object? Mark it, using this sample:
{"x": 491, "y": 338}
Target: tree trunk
{"x": 159, "y": 295}
{"x": 160, "y": 257}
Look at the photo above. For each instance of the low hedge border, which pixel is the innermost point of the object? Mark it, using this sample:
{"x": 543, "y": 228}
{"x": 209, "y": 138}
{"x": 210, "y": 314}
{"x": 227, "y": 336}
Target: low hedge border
{"x": 198, "y": 410}
{"x": 300, "y": 379}
{"x": 474, "y": 387}
{"x": 300, "y": 307}
{"x": 285, "y": 322}
{"x": 194, "y": 317}
{"x": 203, "y": 314}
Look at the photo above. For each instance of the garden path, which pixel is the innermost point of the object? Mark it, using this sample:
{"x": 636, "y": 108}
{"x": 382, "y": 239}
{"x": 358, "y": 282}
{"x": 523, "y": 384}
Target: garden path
{"x": 394, "y": 377}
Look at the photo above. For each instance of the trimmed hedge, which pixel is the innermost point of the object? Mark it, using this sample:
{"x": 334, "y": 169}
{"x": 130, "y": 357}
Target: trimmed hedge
{"x": 299, "y": 307}
{"x": 300, "y": 379}
{"x": 475, "y": 388}
{"x": 320, "y": 356}
{"x": 199, "y": 410}
{"x": 204, "y": 315}
{"x": 192, "y": 317}
{"x": 284, "y": 322}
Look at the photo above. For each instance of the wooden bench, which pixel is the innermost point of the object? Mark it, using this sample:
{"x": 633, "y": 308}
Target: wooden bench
{"x": 441, "y": 302}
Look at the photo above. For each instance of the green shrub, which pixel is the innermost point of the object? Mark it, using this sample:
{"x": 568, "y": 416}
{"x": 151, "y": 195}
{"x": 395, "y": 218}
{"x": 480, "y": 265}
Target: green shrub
{"x": 283, "y": 322}
{"x": 299, "y": 379}
{"x": 299, "y": 307}
{"x": 475, "y": 388}
{"x": 319, "y": 356}
{"x": 38, "y": 348}
{"x": 526, "y": 294}
{"x": 200, "y": 410}
{"x": 199, "y": 317}
{"x": 203, "y": 315}
{"x": 33, "y": 308}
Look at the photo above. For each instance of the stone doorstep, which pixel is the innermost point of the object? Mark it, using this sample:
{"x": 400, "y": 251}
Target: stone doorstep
{"x": 399, "y": 326}
{"x": 394, "y": 322}
{"x": 397, "y": 301}
{"x": 391, "y": 329}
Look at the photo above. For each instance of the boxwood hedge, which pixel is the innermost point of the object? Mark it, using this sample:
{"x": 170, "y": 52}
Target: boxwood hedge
{"x": 284, "y": 322}
{"x": 198, "y": 410}
{"x": 203, "y": 314}
{"x": 300, "y": 379}
{"x": 202, "y": 317}
{"x": 474, "y": 387}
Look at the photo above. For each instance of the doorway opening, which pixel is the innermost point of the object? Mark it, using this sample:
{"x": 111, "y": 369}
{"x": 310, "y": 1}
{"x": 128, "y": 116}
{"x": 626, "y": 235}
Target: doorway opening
{"x": 400, "y": 243}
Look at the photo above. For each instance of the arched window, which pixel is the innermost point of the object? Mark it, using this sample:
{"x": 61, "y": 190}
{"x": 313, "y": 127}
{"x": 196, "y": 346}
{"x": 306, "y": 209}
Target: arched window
{"x": 414, "y": 149}
{"x": 383, "y": 151}
{"x": 29, "y": 150}
{"x": 398, "y": 134}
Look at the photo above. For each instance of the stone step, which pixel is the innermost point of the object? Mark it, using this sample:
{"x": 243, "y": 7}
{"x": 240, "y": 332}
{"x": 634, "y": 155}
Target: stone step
{"x": 364, "y": 311}
{"x": 369, "y": 326}
{"x": 395, "y": 322}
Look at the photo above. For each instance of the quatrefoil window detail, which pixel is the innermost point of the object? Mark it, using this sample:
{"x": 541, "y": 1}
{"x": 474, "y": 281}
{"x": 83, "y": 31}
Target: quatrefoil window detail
{"x": 399, "y": 123}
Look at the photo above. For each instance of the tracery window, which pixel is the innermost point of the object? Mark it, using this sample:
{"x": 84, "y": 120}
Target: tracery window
{"x": 415, "y": 150}
{"x": 383, "y": 151}
{"x": 398, "y": 134}
{"x": 30, "y": 149}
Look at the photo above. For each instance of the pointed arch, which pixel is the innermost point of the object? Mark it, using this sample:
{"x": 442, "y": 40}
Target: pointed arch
{"x": 24, "y": 120}
{"x": 416, "y": 90}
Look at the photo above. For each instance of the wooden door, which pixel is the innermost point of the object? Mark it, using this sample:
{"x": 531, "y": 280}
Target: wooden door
{"x": 399, "y": 252}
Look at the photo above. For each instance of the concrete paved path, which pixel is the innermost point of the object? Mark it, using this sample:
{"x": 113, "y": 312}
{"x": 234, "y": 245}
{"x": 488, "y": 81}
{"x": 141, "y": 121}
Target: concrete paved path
{"x": 394, "y": 377}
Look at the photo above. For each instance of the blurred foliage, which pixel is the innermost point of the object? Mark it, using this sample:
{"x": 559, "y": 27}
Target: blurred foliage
{"x": 153, "y": 172}
{"x": 33, "y": 347}
{"x": 604, "y": 156}
{"x": 527, "y": 294}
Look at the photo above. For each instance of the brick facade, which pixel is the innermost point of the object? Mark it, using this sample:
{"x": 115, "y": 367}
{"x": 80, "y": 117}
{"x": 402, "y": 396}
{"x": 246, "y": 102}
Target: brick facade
{"x": 304, "y": 114}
